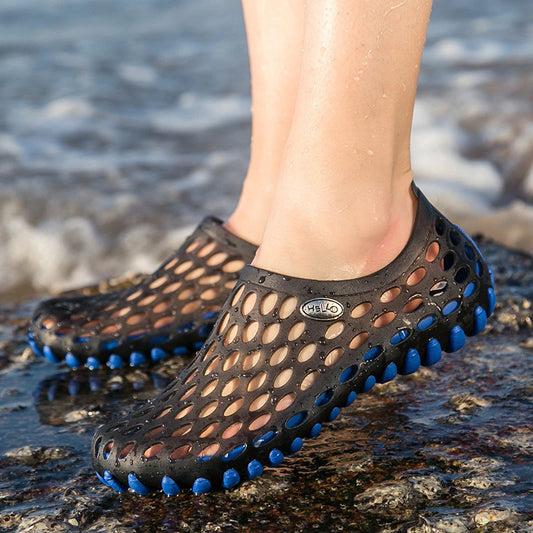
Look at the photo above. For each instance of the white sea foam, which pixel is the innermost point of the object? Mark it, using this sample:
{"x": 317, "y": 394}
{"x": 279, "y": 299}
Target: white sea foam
{"x": 194, "y": 113}
{"x": 140, "y": 74}
{"x": 105, "y": 168}
{"x": 436, "y": 154}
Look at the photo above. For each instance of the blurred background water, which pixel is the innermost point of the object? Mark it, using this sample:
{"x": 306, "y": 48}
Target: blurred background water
{"x": 123, "y": 123}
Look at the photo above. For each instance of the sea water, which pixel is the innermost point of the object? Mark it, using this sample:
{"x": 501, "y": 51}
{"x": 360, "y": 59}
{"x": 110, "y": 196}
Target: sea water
{"x": 123, "y": 123}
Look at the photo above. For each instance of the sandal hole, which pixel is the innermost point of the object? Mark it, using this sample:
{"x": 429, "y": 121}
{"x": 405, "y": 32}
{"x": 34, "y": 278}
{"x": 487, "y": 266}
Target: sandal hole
{"x": 217, "y": 258}
{"x": 208, "y": 430}
{"x": 194, "y": 274}
{"x": 259, "y": 422}
{"x": 191, "y": 307}
{"x": 209, "y": 388}
{"x": 250, "y": 331}
{"x": 447, "y": 261}
{"x": 231, "y": 360}
{"x": 183, "y": 412}
{"x": 306, "y": 352}
{"x": 213, "y": 279}
{"x": 461, "y": 274}
{"x": 257, "y": 381}
{"x": 279, "y": 356}
{"x": 248, "y": 303}
{"x": 283, "y": 378}
{"x": 287, "y": 307}
{"x": 134, "y": 295}
{"x": 259, "y": 402}
{"x": 188, "y": 393}
{"x": 209, "y": 451}
{"x": 438, "y": 288}
{"x": 416, "y": 277}
{"x": 270, "y": 333}
{"x": 158, "y": 282}
{"x": 384, "y": 319}
{"x": 233, "y": 266}
{"x": 309, "y": 380}
{"x": 212, "y": 365}
{"x": 454, "y": 237}
{"x": 412, "y": 305}
{"x": 333, "y": 356}
{"x": 230, "y": 387}
{"x": 250, "y": 361}
{"x": 358, "y": 340}
{"x": 231, "y": 334}
{"x": 180, "y": 451}
{"x": 209, "y": 409}
{"x": 268, "y": 303}
{"x": 135, "y": 319}
{"x": 194, "y": 244}
{"x": 147, "y": 300}
{"x": 183, "y": 430}
{"x": 232, "y": 430}
{"x": 286, "y": 401}
{"x": 206, "y": 249}
{"x": 233, "y": 407}
{"x": 153, "y": 450}
{"x": 432, "y": 252}
{"x": 163, "y": 322}
{"x": 237, "y": 295}
{"x": 334, "y": 330}
{"x": 391, "y": 294}
{"x": 211, "y": 294}
{"x": 183, "y": 267}
{"x": 223, "y": 323}
{"x": 154, "y": 432}
{"x": 296, "y": 331}
{"x": 361, "y": 310}
{"x": 186, "y": 294}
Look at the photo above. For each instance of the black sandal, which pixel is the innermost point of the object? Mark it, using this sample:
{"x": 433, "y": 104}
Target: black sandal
{"x": 170, "y": 312}
{"x": 286, "y": 354}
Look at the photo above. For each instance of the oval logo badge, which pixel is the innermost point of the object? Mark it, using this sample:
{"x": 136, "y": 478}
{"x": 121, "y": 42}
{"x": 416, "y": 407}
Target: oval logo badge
{"x": 322, "y": 309}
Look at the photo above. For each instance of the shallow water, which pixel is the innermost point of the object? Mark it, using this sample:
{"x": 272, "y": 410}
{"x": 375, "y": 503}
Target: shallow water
{"x": 122, "y": 124}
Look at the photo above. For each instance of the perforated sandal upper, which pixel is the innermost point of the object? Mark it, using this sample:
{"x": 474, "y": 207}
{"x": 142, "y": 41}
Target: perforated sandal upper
{"x": 170, "y": 311}
{"x": 287, "y": 353}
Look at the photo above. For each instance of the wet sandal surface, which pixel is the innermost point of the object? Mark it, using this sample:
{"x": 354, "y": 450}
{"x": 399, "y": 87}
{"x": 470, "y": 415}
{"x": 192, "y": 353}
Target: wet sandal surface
{"x": 169, "y": 312}
{"x": 286, "y": 354}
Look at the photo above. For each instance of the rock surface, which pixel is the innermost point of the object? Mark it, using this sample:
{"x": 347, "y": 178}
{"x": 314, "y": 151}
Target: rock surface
{"x": 446, "y": 450}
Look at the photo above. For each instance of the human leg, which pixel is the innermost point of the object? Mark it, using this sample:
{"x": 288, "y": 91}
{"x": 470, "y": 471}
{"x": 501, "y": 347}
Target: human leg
{"x": 343, "y": 206}
{"x": 275, "y": 35}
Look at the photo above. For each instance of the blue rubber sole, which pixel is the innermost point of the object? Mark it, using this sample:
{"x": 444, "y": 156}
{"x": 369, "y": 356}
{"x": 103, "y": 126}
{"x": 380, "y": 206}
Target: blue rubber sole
{"x": 114, "y": 361}
{"x": 135, "y": 358}
{"x": 411, "y": 363}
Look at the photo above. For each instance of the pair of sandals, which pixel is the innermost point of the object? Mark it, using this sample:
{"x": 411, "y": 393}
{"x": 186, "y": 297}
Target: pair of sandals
{"x": 277, "y": 356}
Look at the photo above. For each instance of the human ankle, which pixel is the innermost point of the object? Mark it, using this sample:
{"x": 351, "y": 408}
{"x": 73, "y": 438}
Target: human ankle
{"x": 328, "y": 243}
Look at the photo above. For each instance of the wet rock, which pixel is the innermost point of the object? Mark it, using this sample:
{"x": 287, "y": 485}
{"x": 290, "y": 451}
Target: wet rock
{"x": 387, "y": 497}
{"x": 440, "y": 525}
{"x": 34, "y": 455}
{"x": 482, "y": 518}
{"x": 75, "y": 416}
{"x": 466, "y": 403}
{"x": 427, "y": 486}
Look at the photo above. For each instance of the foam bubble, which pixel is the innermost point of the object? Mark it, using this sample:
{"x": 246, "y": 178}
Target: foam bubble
{"x": 195, "y": 113}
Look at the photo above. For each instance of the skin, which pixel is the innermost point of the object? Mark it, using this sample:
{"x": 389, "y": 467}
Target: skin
{"x": 339, "y": 205}
{"x": 275, "y": 36}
